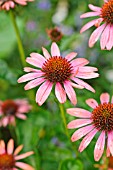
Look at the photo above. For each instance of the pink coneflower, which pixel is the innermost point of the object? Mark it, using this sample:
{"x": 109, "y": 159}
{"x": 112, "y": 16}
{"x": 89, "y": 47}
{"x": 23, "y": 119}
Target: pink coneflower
{"x": 65, "y": 73}
{"x": 9, "y": 159}
{"x": 104, "y": 25}
{"x": 9, "y": 109}
{"x": 99, "y": 120}
{"x": 7, "y": 4}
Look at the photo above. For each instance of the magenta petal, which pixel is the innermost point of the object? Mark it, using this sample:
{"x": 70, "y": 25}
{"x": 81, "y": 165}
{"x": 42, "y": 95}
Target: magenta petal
{"x": 28, "y": 77}
{"x": 43, "y": 92}
{"x": 94, "y": 8}
{"x": 55, "y": 50}
{"x": 99, "y": 147}
{"x": 110, "y": 141}
{"x": 70, "y": 92}
{"x": 60, "y": 93}
{"x": 92, "y": 103}
{"x": 81, "y": 132}
{"x": 104, "y": 98}
{"x": 70, "y": 56}
{"x": 95, "y": 35}
{"x": 87, "y": 139}
{"x": 90, "y": 14}
{"x": 78, "y": 123}
{"x": 34, "y": 83}
{"x": 78, "y": 112}
{"x": 104, "y": 37}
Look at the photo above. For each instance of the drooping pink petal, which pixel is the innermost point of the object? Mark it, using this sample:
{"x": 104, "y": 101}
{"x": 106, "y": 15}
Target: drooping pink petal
{"x": 104, "y": 37}
{"x": 21, "y": 116}
{"x": 87, "y": 139}
{"x": 78, "y": 123}
{"x": 70, "y": 92}
{"x": 43, "y": 92}
{"x": 99, "y": 147}
{"x": 96, "y": 34}
{"x": 22, "y": 156}
{"x": 24, "y": 166}
{"x": 104, "y": 98}
{"x": 84, "y": 84}
{"x": 2, "y": 147}
{"x": 29, "y": 69}
{"x": 55, "y": 50}
{"x": 10, "y": 146}
{"x": 87, "y": 75}
{"x": 34, "y": 62}
{"x": 78, "y": 112}
{"x": 81, "y": 132}
{"x": 29, "y": 76}
{"x": 90, "y": 14}
{"x": 94, "y": 8}
{"x": 79, "y": 62}
{"x": 77, "y": 86}
{"x": 46, "y": 53}
{"x": 18, "y": 149}
{"x": 92, "y": 103}
{"x": 60, "y": 93}
{"x": 110, "y": 141}
{"x": 34, "y": 83}
{"x": 109, "y": 44}
{"x": 70, "y": 56}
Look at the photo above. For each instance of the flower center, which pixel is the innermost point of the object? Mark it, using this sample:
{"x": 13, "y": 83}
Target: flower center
{"x": 107, "y": 12}
{"x": 55, "y": 33}
{"x": 9, "y": 107}
{"x": 103, "y": 117}
{"x": 7, "y": 162}
{"x": 57, "y": 69}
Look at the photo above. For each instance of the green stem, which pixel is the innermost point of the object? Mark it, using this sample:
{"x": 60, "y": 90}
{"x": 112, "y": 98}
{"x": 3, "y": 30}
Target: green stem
{"x": 20, "y": 46}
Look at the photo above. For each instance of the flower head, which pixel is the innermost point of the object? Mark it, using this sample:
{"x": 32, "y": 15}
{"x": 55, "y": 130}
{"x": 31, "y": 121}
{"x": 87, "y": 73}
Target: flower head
{"x": 63, "y": 72}
{"x": 104, "y": 24}
{"x": 7, "y": 4}
{"x": 100, "y": 120}
{"x": 9, "y": 109}
{"x": 9, "y": 158}
{"x": 55, "y": 34}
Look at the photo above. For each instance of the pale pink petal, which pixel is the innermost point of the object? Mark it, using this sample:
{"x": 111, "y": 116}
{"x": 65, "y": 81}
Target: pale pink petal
{"x": 18, "y": 149}
{"x": 104, "y": 98}
{"x": 70, "y": 92}
{"x": 22, "y": 156}
{"x": 38, "y": 57}
{"x": 10, "y": 146}
{"x": 77, "y": 86}
{"x": 87, "y": 75}
{"x": 34, "y": 62}
{"x": 60, "y": 93}
{"x": 43, "y": 92}
{"x": 109, "y": 44}
{"x": 46, "y": 53}
{"x": 110, "y": 141}
{"x": 107, "y": 150}
{"x": 87, "y": 139}
{"x": 94, "y": 8}
{"x": 2, "y": 147}
{"x": 95, "y": 35}
{"x": 81, "y": 132}
{"x": 24, "y": 166}
{"x": 34, "y": 83}
{"x": 99, "y": 147}
{"x": 87, "y": 69}
{"x": 112, "y": 99}
{"x": 29, "y": 69}
{"x": 28, "y": 77}
{"x": 70, "y": 56}
{"x": 12, "y": 120}
{"x": 90, "y": 24}
{"x": 84, "y": 84}
{"x": 104, "y": 37}
{"x": 78, "y": 123}
{"x": 90, "y": 14}
{"x": 5, "y": 121}
{"x": 55, "y": 50}
{"x": 14, "y": 169}
{"x": 92, "y": 103}
{"x": 78, "y": 112}
{"x": 105, "y": 1}
{"x": 21, "y": 116}
{"x": 79, "y": 62}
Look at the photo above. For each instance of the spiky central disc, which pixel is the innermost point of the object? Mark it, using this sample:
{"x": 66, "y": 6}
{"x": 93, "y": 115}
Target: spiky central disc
{"x": 103, "y": 117}
{"x": 107, "y": 12}
{"x": 7, "y": 162}
{"x": 57, "y": 69}
{"x": 9, "y": 107}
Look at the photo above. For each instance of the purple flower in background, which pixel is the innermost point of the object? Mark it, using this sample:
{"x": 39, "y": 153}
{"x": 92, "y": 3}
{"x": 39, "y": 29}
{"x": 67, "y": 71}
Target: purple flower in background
{"x": 44, "y": 5}
{"x": 31, "y": 25}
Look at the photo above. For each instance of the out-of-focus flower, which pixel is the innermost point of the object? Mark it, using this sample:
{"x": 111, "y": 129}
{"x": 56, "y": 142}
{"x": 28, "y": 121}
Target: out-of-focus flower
{"x": 91, "y": 123}
{"x": 55, "y": 34}
{"x": 65, "y": 73}
{"x": 31, "y": 25}
{"x": 9, "y": 109}
{"x": 44, "y": 5}
{"x": 7, "y": 4}
{"x": 104, "y": 24}
{"x": 9, "y": 159}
